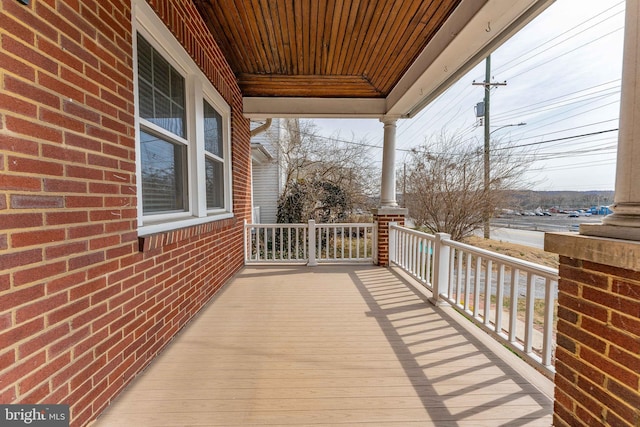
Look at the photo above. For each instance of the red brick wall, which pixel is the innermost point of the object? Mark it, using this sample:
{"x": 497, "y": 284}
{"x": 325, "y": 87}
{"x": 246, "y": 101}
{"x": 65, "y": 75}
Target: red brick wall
{"x": 598, "y": 353}
{"x": 84, "y": 303}
{"x": 383, "y": 219}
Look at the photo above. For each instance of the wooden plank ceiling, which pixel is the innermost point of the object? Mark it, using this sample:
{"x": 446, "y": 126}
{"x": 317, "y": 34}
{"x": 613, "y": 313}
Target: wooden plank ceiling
{"x": 322, "y": 48}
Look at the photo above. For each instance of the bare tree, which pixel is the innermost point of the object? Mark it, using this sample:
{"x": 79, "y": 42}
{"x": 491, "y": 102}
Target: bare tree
{"x": 445, "y": 184}
{"x": 324, "y": 178}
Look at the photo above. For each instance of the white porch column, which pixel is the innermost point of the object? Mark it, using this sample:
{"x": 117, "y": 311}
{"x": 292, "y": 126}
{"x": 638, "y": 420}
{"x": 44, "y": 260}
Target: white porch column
{"x": 388, "y": 185}
{"x": 624, "y": 222}
{"x": 389, "y": 212}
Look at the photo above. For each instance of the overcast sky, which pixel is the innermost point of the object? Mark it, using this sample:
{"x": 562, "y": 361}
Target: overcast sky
{"x": 563, "y": 79}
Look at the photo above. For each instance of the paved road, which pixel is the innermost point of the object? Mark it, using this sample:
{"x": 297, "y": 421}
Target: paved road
{"x": 522, "y": 237}
{"x": 527, "y": 230}
{"x": 543, "y": 223}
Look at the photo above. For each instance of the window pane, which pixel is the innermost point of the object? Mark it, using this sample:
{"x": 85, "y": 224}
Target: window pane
{"x": 212, "y": 131}
{"x": 163, "y": 175}
{"x": 177, "y": 88}
{"x": 146, "y": 102}
{"x": 215, "y": 183}
{"x": 161, "y": 73}
{"x": 160, "y": 90}
{"x": 145, "y": 53}
{"x": 176, "y": 126}
{"x": 162, "y": 113}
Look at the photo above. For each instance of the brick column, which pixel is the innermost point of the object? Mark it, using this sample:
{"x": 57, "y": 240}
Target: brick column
{"x": 597, "y": 379}
{"x": 383, "y": 216}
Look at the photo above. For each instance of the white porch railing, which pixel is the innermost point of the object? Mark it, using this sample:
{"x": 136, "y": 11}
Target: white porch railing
{"x": 514, "y": 300}
{"x": 309, "y": 243}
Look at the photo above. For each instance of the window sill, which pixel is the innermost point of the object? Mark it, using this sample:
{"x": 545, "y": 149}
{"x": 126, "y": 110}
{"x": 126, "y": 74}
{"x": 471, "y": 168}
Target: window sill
{"x": 153, "y": 236}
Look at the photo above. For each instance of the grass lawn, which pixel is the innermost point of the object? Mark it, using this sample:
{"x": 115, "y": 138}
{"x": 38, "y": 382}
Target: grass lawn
{"x": 526, "y": 253}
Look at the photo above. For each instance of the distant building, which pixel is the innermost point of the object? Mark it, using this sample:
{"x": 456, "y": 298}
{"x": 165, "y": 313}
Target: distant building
{"x": 266, "y": 178}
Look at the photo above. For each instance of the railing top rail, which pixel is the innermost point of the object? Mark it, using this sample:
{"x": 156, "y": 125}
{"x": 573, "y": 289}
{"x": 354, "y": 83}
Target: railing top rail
{"x": 344, "y": 224}
{"x": 318, "y": 224}
{"x": 519, "y": 263}
{"x": 414, "y": 232}
{"x": 262, "y": 225}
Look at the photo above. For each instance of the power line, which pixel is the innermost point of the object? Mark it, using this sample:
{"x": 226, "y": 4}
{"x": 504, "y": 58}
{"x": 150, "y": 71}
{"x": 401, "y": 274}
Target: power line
{"x": 564, "y": 118}
{"x": 574, "y": 166}
{"x": 581, "y": 153}
{"x": 607, "y": 146}
{"x": 560, "y": 97}
{"x": 517, "y": 112}
{"x": 564, "y": 53}
{"x": 562, "y": 41}
{"x": 470, "y": 128}
{"x": 583, "y": 143}
{"x": 554, "y": 140}
{"x": 568, "y": 129}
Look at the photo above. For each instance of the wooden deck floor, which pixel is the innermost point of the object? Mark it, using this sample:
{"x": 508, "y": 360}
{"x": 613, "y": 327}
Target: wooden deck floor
{"x": 331, "y": 345}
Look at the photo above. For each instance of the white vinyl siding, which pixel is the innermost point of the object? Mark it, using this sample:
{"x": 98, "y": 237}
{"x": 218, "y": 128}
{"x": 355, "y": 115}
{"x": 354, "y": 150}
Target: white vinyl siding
{"x": 267, "y": 180}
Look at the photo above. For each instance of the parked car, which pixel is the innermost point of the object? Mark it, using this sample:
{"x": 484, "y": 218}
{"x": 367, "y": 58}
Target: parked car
{"x": 574, "y": 214}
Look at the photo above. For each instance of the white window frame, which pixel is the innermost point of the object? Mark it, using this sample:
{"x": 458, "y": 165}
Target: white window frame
{"x": 198, "y": 89}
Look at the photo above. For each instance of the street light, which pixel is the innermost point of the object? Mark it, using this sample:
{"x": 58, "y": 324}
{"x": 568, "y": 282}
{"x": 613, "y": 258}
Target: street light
{"x": 506, "y": 126}
{"x": 487, "y": 175}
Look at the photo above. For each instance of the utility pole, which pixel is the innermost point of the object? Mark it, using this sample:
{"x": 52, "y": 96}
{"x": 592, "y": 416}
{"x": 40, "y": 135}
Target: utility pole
{"x": 404, "y": 185}
{"x": 487, "y": 160}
